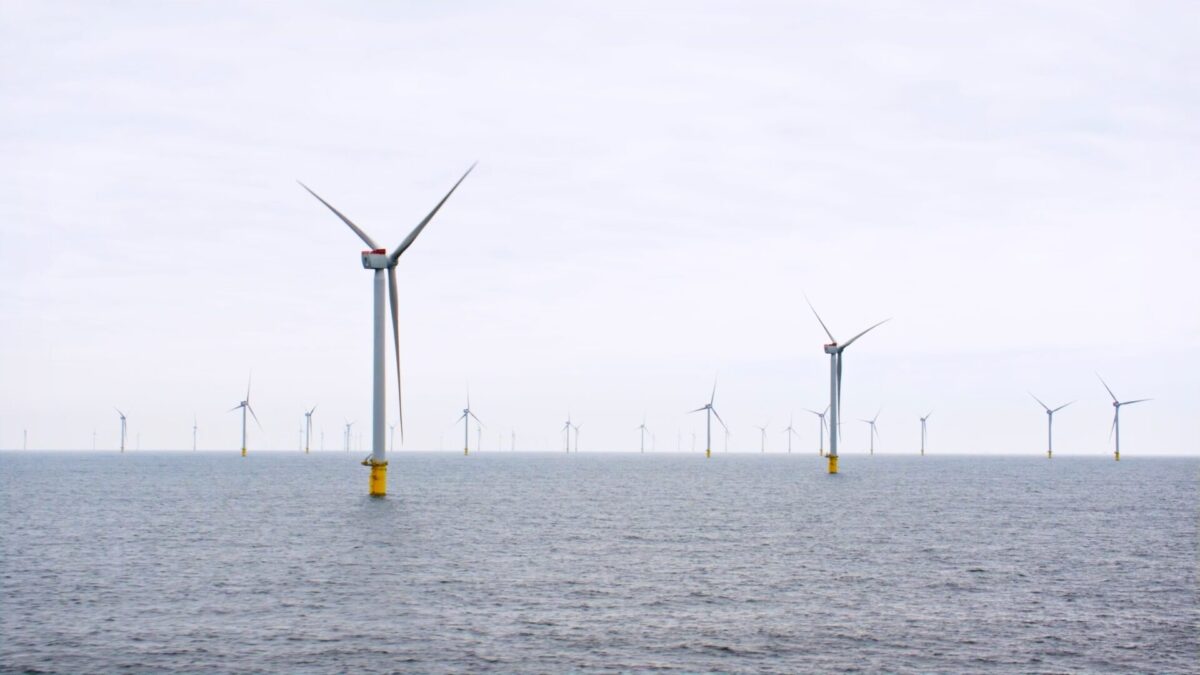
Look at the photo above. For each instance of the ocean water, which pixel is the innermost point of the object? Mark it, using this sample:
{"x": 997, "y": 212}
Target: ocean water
{"x": 171, "y": 562}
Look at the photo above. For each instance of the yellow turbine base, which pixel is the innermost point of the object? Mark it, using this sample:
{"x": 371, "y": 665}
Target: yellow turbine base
{"x": 1117, "y": 456}
{"x": 832, "y": 464}
{"x": 708, "y": 453}
{"x": 378, "y": 484}
{"x": 466, "y": 451}
{"x": 243, "y": 452}
{"x": 1049, "y": 454}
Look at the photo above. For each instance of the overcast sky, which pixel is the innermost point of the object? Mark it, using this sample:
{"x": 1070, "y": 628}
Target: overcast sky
{"x": 1015, "y": 183}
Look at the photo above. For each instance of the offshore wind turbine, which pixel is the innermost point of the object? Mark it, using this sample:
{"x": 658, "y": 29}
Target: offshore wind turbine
{"x": 642, "y": 428}
{"x": 122, "y": 428}
{"x": 834, "y": 350}
{"x": 763, "y": 431}
{"x": 1116, "y": 425}
{"x": 377, "y": 259}
{"x": 820, "y": 429}
{"x": 1049, "y": 425}
{"x": 392, "y": 430}
{"x": 709, "y": 413}
{"x": 308, "y": 427}
{"x": 244, "y": 406}
{"x": 348, "y": 425}
{"x": 790, "y": 431}
{"x": 927, "y": 416}
{"x": 467, "y": 415}
{"x": 874, "y": 431}
{"x": 577, "y": 428}
{"x": 195, "y": 427}
{"x": 567, "y": 428}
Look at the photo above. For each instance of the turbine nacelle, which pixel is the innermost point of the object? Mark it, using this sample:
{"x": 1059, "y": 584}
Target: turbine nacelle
{"x": 832, "y": 348}
{"x": 376, "y": 259}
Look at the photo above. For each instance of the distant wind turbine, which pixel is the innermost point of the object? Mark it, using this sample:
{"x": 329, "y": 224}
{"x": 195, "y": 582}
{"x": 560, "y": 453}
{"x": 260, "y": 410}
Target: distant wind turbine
{"x": 466, "y": 418}
{"x": 577, "y": 428}
{"x": 308, "y": 427}
{"x": 763, "y": 431}
{"x": 820, "y": 429}
{"x": 927, "y": 416}
{"x": 392, "y": 436}
{"x": 642, "y": 428}
{"x": 790, "y": 431}
{"x": 244, "y": 406}
{"x": 1049, "y": 424}
{"x": 122, "y": 428}
{"x": 1116, "y": 425}
{"x": 378, "y": 259}
{"x": 709, "y": 413}
{"x": 567, "y": 429}
{"x": 834, "y": 350}
{"x": 348, "y": 425}
{"x": 874, "y": 431}
{"x": 195, "y": 428}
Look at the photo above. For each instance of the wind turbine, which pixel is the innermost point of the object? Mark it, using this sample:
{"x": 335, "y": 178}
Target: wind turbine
{"x": 348, "y": 425}
{"x": 927, "y": 416}
{"x": 308, "y": 427}
{"x": 244, "y": 406}
{"x": 122, "y": 428}
{"x": 567, "y": 429}
{"x": 834, "y": 350}
{"x": 790, "y": 432}
{"x": 874, "y": 431}
{"x": 577, "y": 428}
{"x": 763, "y": 431}
{"x": 820, "y": 429}
{"x": 642, "y": 428}
{"x": 467, "y": 415}
{"x": 378, "y": 259}
{"x": 1049, "y": 425}
{"x": 195, "y": 427}
{"x": 392, "y": 430}
{"x": 1116, "y": 425}
{"x": 709, "y": 412}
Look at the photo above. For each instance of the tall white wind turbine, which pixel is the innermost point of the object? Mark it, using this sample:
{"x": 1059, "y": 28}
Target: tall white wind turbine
{"x": 642, "y": 428}
{"x": 348, "y": 426}
{"x": 926, "y": 417}
{"x": 567, "y": 429}
{"x": 874, "y": 431}
{"x": 122, "y": 428}
{"x": 379, "y": 259}
{"x": 709, "y": 413}
{"x": 763, "y": 430}
{"x": 1116, "y": 425}
{"x": 245, "y": 406}
{"x": 790, "y": 431}
{"x": 195, "y": 428}
{"x": 820, "y": 429}
{"x": 308, "y": 427}
{"x": 466, "y": 418}
{"x": 577, "y": 428}
{"x": 834, "y": 350}
{"x": 1049, "y": 424}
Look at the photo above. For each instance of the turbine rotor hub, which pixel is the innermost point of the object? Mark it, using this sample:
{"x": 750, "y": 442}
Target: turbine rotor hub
{"x": 831, "y": 348}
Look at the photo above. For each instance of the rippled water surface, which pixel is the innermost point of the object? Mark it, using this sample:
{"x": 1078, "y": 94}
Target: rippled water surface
{"x": 278, "y": 562}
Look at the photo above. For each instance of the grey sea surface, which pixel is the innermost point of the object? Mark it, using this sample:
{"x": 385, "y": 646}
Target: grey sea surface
{"x": 170, "y": 562}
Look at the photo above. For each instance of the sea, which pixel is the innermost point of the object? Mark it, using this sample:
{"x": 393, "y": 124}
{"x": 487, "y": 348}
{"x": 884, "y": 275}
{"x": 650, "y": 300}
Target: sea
{"x": 171, "y": 562}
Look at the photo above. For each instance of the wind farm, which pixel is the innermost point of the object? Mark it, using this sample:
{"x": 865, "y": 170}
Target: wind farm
{"x": 605, "y": 210}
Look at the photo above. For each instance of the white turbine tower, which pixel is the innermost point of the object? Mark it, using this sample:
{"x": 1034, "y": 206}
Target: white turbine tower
{"x": 1049, "y": 424}
{"x": 763, "y": 431}
{"x": 122, "y": 428}
{"x": 874, "y": 431}
{"x": 308, "y": 427}
{"x": 378, "y": 259}
{"x": 821, "y": 426}
{"x": 392, "y": 437}
{"x": 709, "y": 413}
{"x": 927, "y": 416}
{"x": 348, "y": 426}
{"x": 567, "y": 428}
{"x": 195, "y": 428}
{"x": 244, "y": 406}
{"x": 466, "y": 418}
{"x": 1116, "y": 425}
{"x": 834, "y": 350}
{"x": 642, "y": 428}
{"x": 790, "y": 431}
{"x": 577, "y": 428}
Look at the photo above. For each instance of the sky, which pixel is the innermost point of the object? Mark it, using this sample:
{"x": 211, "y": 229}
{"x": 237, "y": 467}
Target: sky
{"x": 659, "y": 185}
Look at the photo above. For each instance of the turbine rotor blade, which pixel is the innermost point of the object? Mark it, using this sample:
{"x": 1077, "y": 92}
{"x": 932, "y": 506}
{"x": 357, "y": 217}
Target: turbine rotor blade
{"x": 814, "y": 311}
{"x": 361, "y": 235}
{"x": 1061, "y": 407}
{"x": 851, "y": 340}
{"x": 720, "y": 420}
{"x": 412, "y": 236}
{"x": 712, "y": 399}
{"x": 394, "y": 301}
{"x": 698, "y": 410}
{"x": 1110, "y": 393}
{"x": 1039, "y": 401}
{"x": 476, "y": 419}
{"x": 1140, "y": 400}
{"x": 1113, "y": 427}
{"x": 254, "y": 416}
